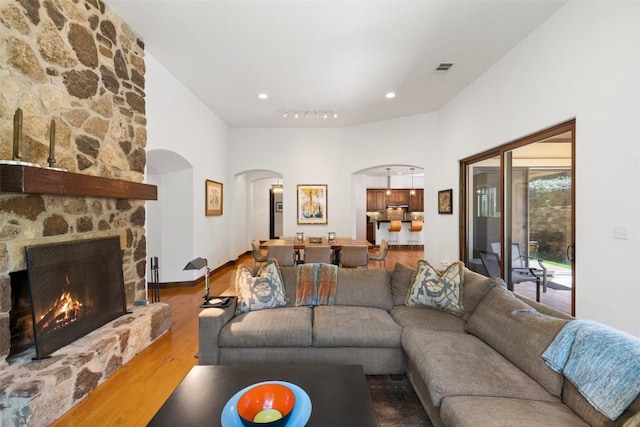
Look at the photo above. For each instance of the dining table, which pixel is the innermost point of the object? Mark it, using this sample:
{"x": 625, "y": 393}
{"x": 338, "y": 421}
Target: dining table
{"x": 336, "y": 244}
{"x": 300, "y": 244}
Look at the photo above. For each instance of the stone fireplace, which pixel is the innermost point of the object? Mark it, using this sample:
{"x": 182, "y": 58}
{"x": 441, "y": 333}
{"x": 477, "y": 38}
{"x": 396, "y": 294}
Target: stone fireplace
{"x": 76, "y": 63}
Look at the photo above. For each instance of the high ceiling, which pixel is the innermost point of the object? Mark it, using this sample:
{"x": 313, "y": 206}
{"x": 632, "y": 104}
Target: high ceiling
{"x": 319, "y": 55}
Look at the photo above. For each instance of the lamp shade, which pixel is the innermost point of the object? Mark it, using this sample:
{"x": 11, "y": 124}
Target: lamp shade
{"x": 196, "y": 264}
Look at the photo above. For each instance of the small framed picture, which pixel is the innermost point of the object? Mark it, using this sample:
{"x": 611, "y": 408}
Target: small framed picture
{"x": 278, "y": 206}
{"x": 445, "y": 205}
{"x": 213, "y": 198}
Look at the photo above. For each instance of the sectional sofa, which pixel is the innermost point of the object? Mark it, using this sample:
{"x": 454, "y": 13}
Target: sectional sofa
{"x": 479, "y": 367}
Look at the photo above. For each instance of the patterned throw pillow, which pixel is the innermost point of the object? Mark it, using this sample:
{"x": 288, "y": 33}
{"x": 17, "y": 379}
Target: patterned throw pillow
{"x": 442, "y": 291}
{"x": 266, "y": 290}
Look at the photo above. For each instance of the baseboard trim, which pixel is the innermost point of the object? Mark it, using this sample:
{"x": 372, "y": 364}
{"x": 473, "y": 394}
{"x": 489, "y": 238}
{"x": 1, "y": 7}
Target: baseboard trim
{"x": 198, "y": 281}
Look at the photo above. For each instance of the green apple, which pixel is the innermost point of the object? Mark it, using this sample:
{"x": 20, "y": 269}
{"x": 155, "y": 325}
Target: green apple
{"x": 267, "y": 416}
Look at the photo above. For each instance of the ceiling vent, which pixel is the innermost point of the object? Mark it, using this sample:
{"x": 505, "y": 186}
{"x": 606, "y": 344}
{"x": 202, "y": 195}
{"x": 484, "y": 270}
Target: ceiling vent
{"x": 444, "y": 66}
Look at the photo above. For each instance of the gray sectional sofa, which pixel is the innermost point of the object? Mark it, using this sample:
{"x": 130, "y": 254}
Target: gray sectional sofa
{"x": 479, "y": 369}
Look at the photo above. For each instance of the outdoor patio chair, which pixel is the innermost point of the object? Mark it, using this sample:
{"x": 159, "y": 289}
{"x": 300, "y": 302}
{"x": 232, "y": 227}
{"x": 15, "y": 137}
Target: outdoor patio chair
{"x": 491, "y": 263}
{"x": 520, "y": 263}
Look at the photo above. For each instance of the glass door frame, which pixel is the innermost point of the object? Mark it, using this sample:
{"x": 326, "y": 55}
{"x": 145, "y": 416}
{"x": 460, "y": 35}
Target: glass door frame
{"x": 503, "y": 152}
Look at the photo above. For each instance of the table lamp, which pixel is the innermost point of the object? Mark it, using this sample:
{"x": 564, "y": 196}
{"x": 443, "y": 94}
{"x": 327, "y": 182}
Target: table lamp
{"x": 197, "y": 264}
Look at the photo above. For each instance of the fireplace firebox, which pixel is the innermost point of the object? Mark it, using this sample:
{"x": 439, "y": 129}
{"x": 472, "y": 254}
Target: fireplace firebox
{"x": 75, "y": 287}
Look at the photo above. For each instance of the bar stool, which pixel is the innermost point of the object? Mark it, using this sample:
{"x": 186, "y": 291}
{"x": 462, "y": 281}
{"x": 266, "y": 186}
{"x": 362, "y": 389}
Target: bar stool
{"x": 395, "y": 226}
{"x": 414, "y": 232}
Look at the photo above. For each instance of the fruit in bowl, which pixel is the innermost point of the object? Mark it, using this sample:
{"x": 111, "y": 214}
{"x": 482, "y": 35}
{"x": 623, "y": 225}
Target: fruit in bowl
{"x": 266, "y": 405}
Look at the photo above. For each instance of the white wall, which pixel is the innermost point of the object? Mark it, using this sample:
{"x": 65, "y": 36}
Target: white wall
{"x": 329, "y": 156}
{"x": 177, "y": 121}
{"x": 583, "y": 63}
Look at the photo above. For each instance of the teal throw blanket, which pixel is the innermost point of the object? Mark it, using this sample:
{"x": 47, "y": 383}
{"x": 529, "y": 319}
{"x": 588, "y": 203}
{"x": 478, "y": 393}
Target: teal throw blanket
{"x": 603, "y": 364}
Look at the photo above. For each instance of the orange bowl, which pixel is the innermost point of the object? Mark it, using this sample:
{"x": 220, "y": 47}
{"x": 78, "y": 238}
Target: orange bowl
{"x": 265, "y": 397}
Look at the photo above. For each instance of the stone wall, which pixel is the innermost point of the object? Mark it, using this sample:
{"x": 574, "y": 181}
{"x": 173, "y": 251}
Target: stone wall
{"x": 77, "y": 63}
{"x": 551, "y": 228}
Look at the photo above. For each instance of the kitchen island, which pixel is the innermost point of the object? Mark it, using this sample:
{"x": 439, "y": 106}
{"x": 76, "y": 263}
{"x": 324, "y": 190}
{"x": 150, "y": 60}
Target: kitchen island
{"x": 382, "y": 227}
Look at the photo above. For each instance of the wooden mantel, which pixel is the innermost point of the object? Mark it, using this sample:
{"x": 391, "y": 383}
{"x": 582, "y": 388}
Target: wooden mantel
{"x": 36, "y": 180}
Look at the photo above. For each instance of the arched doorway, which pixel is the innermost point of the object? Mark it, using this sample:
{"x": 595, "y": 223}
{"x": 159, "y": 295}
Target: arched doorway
{"x": 170, "y": 218}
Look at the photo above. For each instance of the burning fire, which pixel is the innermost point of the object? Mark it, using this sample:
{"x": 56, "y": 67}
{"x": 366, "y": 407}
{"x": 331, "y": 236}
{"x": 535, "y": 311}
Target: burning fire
{"x": 65, "y": 310}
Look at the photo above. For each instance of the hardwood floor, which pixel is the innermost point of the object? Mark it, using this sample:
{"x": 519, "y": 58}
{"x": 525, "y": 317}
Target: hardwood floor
{"x": 133, "y": 395}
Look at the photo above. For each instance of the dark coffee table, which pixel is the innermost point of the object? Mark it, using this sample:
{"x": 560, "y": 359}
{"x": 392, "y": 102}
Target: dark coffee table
{"x": 339, "y": 394}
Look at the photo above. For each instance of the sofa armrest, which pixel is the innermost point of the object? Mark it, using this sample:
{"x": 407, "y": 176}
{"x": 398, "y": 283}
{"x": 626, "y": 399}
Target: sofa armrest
{"x": 210, "y": 322}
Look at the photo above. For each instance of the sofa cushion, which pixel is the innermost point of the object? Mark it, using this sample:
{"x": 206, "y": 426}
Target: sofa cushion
{"x": 426, "y": 318}
{"x": 519, "y": 333}
{"x": 455, "y": 364}
{"x": 401, "y": 282}
{"x": 478, "y": 411}
{"x": 348, "y": 326}
{"x": 438, "y": 290}
{"x": 364, "y": 288}
{"x": 476, "y": 286}
{"x": 281, "y": 327}
{"x": 289, "y": 277}
{"x": 261, "y": 292}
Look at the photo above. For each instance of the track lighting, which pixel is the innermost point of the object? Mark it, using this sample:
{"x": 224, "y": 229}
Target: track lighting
{"x": 310, "y": 113}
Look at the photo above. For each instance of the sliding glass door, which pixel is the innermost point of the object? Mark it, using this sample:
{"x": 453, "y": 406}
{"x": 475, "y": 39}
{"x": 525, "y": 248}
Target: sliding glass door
{"x": 519, "y": 213}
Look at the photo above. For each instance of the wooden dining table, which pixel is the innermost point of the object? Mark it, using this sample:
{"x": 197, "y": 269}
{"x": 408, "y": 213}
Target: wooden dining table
{"x": 336, "y": 244}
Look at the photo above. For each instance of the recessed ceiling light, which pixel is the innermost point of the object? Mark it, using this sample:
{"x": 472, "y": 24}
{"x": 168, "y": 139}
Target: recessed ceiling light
{"x": 263, "y": 96}
{"x": 390, "y": 95}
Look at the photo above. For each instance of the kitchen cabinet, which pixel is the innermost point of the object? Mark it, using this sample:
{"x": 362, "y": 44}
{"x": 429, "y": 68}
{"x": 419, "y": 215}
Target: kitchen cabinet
{"x": 416, "y": 202}
{"x": 376, "y": 200}
{"x": 371, "y": 233}
{"x": 399, "y": 197}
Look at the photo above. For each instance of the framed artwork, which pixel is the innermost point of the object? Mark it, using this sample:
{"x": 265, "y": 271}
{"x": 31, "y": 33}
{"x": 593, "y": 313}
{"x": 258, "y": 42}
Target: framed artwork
{"x": 312, "y": 204}
{"x": 213, "y": 198}
{"x": 445, "y": 205}
{"x": 278, "y": 206}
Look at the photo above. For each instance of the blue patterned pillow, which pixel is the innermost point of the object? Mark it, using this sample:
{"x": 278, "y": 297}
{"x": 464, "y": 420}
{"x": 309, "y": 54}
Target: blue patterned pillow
{"x": 263, "y": 291}
{"x": 441, "y": 291}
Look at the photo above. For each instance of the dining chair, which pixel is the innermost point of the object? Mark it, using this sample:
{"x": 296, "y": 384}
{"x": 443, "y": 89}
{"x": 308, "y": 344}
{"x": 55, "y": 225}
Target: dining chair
{"x": 258, "y": 257}
{"x": 354, "y": 256}
{"x": 284, "y": 254}
{"x": 491, "y": 263}
{"x": 381, "y": 255}
{"x": 317, "y": 254}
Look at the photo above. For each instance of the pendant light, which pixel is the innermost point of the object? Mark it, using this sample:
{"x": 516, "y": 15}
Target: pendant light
{"x": 413, "y": 191}
{"x": 388, "y": 182}
{"x": 277, "y": 187}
